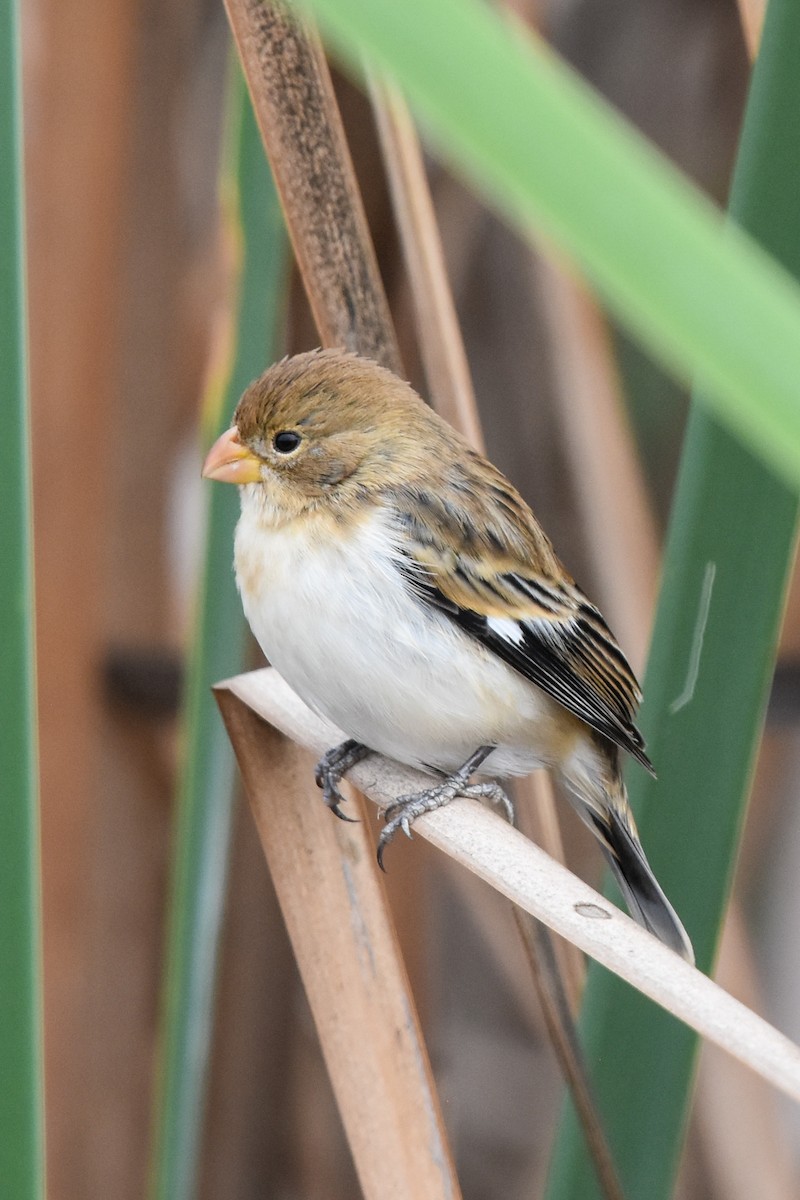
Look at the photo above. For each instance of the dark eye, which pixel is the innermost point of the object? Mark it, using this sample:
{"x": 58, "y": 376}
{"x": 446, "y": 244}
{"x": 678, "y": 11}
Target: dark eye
{"x": 286, "y": 441}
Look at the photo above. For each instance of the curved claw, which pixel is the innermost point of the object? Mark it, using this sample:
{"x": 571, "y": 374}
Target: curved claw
{"x": 334, "y": 799}
{"x": 395, "y": 819}
{"x": 330, "y": 769}
{"x": 342, "y": 815}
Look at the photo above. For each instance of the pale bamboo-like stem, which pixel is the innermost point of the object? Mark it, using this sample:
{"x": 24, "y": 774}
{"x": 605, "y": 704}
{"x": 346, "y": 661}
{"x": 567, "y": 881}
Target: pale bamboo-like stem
{"x": 751, "y": 14}
{"x": 484, "y": 843}
{"x": 294, "y": 104}
{"x": 438, "y": 331}
{"x": 352, "y": 970}
{"x": 615, "y": 507}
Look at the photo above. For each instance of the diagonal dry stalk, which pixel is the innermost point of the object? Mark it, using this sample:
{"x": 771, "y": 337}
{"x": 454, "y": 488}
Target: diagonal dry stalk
{"x": 486, "y": 844}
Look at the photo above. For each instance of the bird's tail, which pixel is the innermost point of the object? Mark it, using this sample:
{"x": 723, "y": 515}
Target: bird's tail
{"x": 643, "y": 894}
{"x": 614, "y": 826}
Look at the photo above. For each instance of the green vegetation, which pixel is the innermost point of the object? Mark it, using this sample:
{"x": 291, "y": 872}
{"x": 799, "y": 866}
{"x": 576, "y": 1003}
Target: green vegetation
{"x": 21, "y": 1121}
{"x": 206, "y": 788}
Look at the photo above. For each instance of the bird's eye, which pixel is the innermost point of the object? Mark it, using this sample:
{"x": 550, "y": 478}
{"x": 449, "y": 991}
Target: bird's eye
{"x": 286, "y": 441}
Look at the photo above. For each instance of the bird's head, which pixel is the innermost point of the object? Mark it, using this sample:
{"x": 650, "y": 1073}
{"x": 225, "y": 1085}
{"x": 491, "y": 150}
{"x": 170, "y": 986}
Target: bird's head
{"x": 324, "y": 424}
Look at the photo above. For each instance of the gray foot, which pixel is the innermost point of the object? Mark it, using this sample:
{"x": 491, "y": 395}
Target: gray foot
{"x": 406, "y": 809}
{"x": 330, "y": 769}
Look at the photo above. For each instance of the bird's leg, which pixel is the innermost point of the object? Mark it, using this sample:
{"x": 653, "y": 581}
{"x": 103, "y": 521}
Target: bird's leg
{"x": 406, "y": 809}
{"x": 330, "y": 769}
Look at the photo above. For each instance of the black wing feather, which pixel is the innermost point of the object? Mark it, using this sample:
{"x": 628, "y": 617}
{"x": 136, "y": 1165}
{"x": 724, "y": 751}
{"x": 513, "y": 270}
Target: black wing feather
{"x": 543, "y": 660}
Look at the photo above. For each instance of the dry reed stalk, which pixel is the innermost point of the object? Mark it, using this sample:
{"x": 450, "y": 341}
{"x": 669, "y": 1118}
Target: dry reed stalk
{"x": 536, "y": 805}
{"x": 558, "y": 1018}
{"x": 751, "y": 14}
{"x": 439, "y": 334}
{"x": 332, "y": 903}
{"x": 615, "y": 506}
{"x": 438, "y": 331}
{"x": 294, "y": 104}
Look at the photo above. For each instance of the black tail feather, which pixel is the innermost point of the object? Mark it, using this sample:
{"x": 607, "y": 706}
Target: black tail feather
{"x": 645, "y": 899}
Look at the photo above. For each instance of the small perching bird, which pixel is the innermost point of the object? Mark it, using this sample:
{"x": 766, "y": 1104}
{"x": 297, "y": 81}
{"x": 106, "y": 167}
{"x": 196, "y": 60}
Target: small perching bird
{"x": 403, "y": 588}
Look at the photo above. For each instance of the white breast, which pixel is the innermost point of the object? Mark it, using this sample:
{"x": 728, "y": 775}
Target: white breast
{"x": 333, "y": 614}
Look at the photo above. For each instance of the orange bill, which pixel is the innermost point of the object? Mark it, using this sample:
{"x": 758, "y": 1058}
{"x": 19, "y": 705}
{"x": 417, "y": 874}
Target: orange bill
{"x": 228, "y": 461}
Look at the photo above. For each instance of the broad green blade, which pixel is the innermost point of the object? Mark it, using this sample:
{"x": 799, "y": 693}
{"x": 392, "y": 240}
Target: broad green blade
{"x": 551, "y": 154}
{"x": 729, "y": 551}
{"x": 21, "y": 1121}
{"x": 206, "y": 788}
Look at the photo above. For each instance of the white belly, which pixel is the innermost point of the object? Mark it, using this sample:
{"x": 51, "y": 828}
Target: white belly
{"x": 337, "y": 621}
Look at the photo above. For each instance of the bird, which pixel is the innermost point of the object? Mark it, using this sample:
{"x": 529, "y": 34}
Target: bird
{"x": 403, "y": 588}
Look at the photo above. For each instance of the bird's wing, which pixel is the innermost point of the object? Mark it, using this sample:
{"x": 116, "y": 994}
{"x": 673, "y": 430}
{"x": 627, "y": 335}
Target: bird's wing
{"x": 540, "y": 623}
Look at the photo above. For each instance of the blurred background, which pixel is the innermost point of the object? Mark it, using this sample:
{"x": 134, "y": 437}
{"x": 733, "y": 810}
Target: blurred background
{"x": 129, "y": 295}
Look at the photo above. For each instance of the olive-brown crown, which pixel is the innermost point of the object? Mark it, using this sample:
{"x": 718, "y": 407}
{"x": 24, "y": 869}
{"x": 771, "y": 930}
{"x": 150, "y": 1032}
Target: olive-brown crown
{"x": 320, "y": 418}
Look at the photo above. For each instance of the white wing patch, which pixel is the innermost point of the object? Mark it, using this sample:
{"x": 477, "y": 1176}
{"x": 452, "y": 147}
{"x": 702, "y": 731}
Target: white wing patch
{"x": 506, "y": 628}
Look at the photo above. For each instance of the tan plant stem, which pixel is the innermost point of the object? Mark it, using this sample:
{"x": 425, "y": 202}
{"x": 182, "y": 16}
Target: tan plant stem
{"x": 438, "y": 331}
{"x": 555, "y": 1004}
{"x": 486, "y": 844}
{"x": 353, "y": 973}
{"x": 292, "y": 94}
